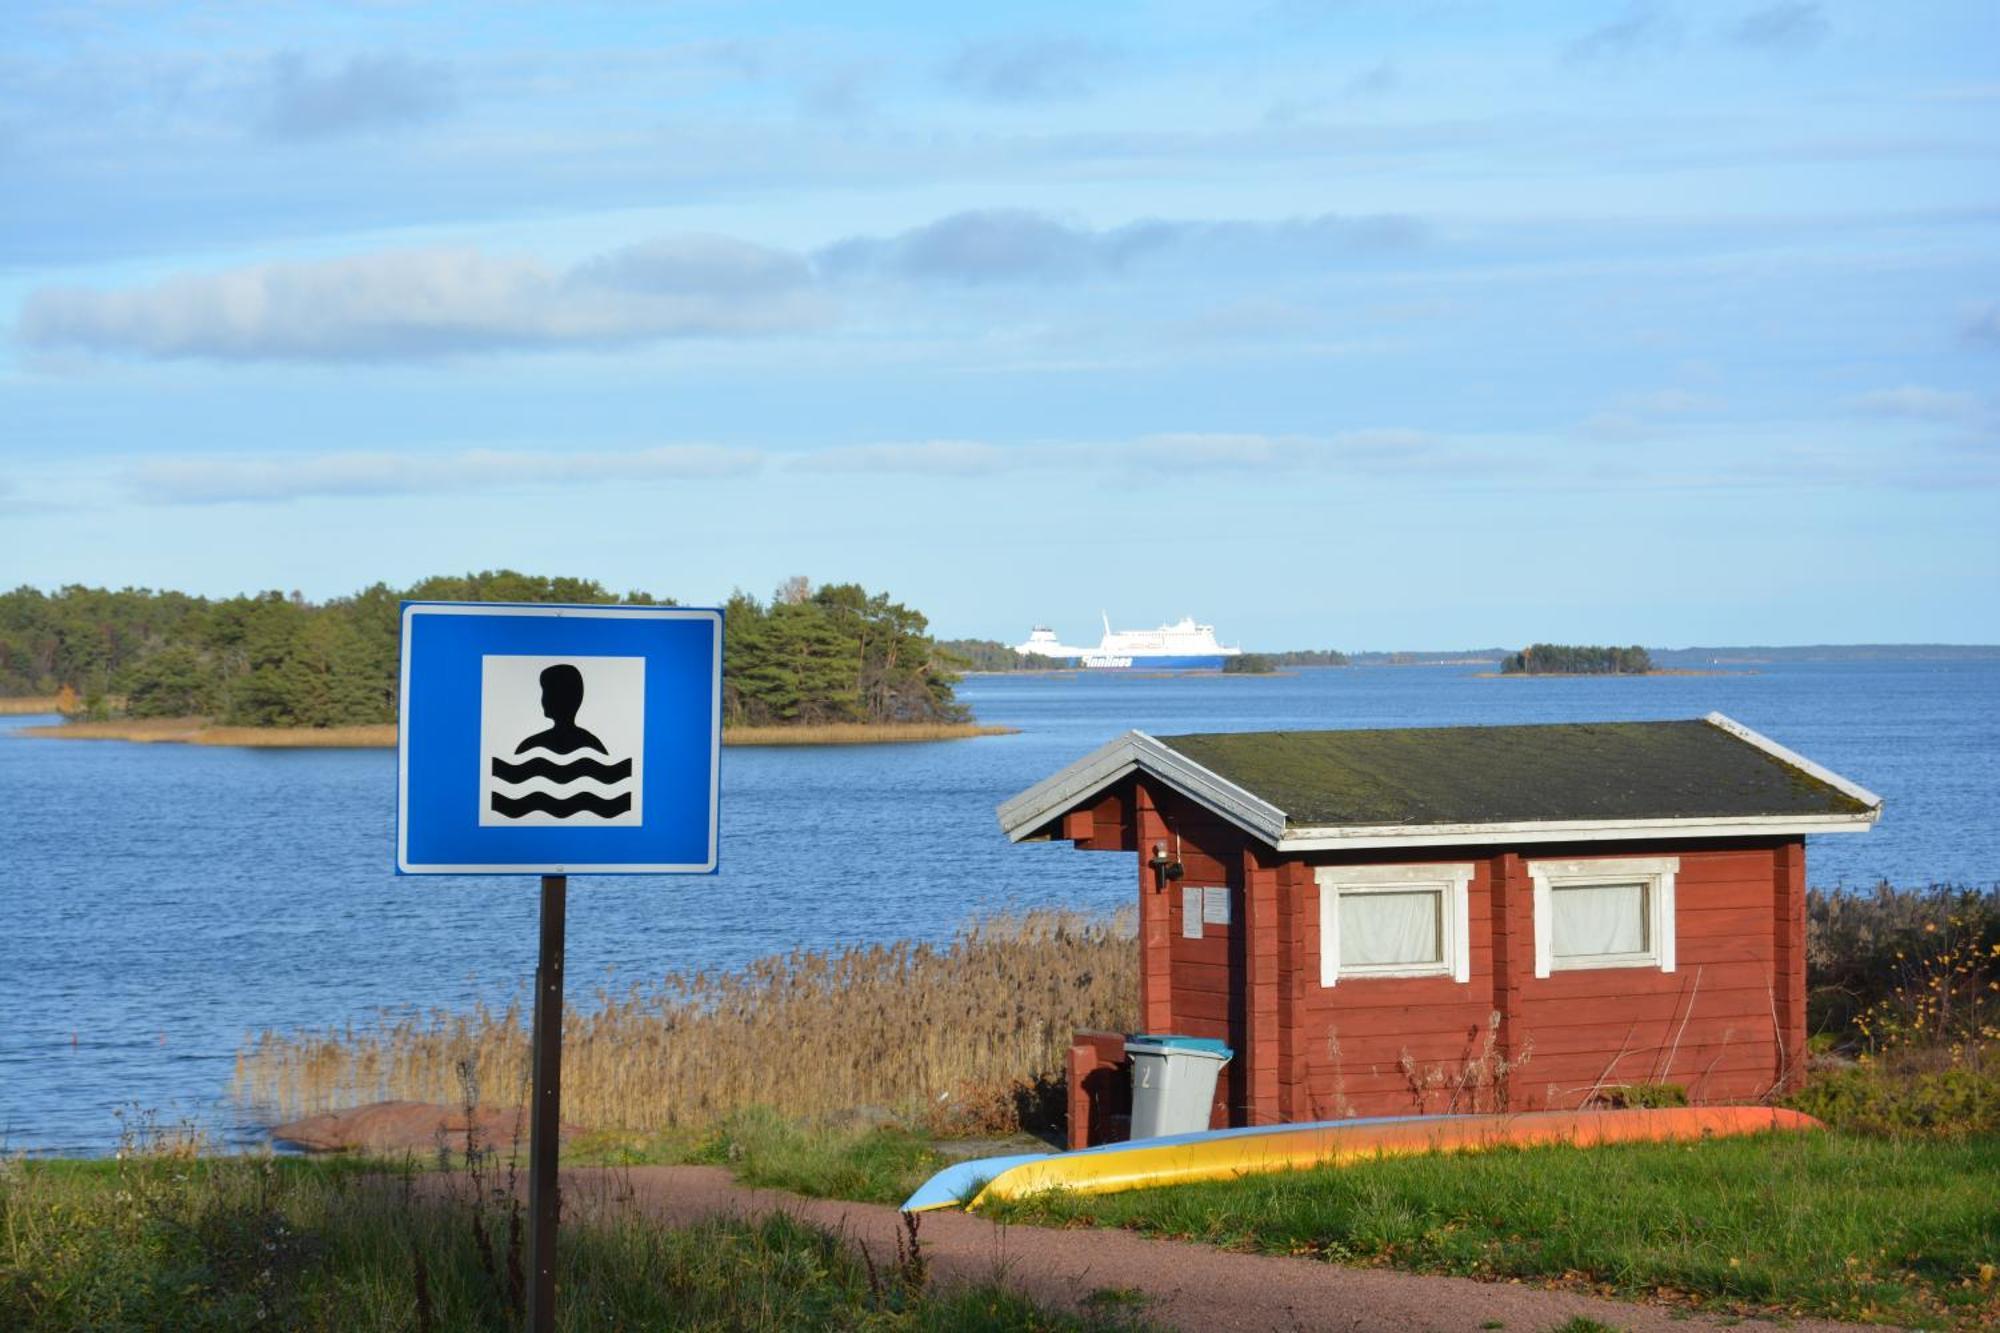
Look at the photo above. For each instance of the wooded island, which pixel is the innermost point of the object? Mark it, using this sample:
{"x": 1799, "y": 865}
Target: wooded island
{"x": 832, "y": 656}
{"x": 1565, "y": 659}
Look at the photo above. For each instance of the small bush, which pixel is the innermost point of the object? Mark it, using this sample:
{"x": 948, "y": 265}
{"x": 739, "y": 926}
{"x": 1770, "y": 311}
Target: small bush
{"x": 1952, "y": 1103}
{"x": 1903, "y": 967}
{"x": 1645, "y": 1095}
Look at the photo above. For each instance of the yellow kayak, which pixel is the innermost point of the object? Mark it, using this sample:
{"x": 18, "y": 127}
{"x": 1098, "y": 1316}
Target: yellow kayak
{"x": 1227, "y": 1153}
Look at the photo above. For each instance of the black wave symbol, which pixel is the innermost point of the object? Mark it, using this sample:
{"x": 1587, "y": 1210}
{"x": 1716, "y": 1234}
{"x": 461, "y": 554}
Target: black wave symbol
{"x": 562, "y": 807}
{"x": 539, "y": 767}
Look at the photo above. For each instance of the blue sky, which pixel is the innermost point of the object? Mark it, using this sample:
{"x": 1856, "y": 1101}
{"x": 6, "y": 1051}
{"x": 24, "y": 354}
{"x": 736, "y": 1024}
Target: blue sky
{"x": 1346, "y": 324}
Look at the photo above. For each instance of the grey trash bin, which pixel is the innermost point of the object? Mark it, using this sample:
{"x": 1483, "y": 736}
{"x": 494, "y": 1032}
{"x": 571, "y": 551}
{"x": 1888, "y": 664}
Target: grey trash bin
{"x": 1173, "y": 1083}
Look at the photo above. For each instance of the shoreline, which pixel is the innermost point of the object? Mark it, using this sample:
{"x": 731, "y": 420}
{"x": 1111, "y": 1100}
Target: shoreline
{"x": 382, "y": 736}
{"x": 1605, "y": 675}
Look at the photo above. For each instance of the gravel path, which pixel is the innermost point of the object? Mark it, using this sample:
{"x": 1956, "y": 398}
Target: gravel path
{"x": 1186, "y": 1286}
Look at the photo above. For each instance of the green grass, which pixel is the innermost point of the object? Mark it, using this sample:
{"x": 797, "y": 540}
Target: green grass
{"x": 870, "y": 1164}
{"x": 1829, "y": 1224}
{"x": 183, "y": 1242}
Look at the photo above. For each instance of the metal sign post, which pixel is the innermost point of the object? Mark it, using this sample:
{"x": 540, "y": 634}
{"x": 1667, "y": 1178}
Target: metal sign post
{"x": 545, "y": 1116}
{"x": 557, "y": 740}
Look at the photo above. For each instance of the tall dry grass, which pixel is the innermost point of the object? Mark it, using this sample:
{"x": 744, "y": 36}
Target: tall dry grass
{"x": 372, "y": 736}
{"x": 859, "y": 733}
{"x": 28, "y": 705}
{"x": 953, "y": 1033}
{"x": 198, "y": 731}
{"x": 123, "y": 729}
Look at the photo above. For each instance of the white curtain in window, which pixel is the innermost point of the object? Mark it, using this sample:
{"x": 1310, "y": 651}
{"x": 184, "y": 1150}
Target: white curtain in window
{"x": 1593, "y": 919}
{"x": 1391, "y": 928}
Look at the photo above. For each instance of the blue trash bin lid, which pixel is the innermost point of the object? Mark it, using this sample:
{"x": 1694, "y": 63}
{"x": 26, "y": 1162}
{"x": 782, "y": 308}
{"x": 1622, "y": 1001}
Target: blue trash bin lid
{"x": 1167, "y": 1041}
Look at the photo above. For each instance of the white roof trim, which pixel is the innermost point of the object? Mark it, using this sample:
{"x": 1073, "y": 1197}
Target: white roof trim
{"x": 1105, "y": 765}
{"x": 1325, "y": 839}
{"x": 1796, "y": 760}
{"x": 1023, "y": 814}
{"x": 1062, "y": 791}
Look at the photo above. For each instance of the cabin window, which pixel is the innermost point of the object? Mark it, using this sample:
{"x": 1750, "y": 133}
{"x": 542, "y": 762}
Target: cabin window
{"x": 1394, "y": 921}
{"x": 1608, "y": 913}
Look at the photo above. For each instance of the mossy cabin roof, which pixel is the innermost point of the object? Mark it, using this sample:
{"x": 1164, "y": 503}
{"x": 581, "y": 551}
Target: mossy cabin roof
{"x": 1285, "y": 784}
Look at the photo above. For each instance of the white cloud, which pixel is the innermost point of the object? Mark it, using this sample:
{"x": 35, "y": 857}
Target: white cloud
{"x": 1221, "y": 451}
{"x": 368, "y": 92}
{"x": 1642, "y": 29}
{"x": 999, "y": 244}
{"x": 427, "y": 303}
{"x": 417, "y": 304}
{"x": 1640, "y": 416}
{"x": 1672, "y": 402}
{"x": 1375, "y": 452}
{"x": 1983, "y": 325}
{"x": 1791, "y": 25}
{"x": 1014, "y": 245}
{"x": 1027, "y": 69}
{"x": 1696, "y": 456}
{"x": 949, "y": 458}
{"x": 220, "y": 480}
{"x": 1919, "y": 403}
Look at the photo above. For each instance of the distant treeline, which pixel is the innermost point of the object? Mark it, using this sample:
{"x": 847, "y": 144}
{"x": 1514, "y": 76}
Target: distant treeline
{"x": 993, "y": 655}
{"x": 836, "y": 653}
{"x": 1568, "y": 659}
{"x": 1420, "y": 657}
{"x": 1827, "y": 652}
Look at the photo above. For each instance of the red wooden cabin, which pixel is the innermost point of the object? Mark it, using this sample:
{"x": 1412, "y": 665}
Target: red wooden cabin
{"x": 1458, "y": 918}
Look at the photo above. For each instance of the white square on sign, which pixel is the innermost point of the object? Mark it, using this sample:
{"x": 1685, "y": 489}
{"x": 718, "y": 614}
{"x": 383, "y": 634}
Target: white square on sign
{"x": 562, "y": 741}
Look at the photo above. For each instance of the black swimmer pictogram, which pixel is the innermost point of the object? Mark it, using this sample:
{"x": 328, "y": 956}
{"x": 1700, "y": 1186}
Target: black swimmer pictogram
{"x": 562, "y": 699}
{"x": 562, "y": 696}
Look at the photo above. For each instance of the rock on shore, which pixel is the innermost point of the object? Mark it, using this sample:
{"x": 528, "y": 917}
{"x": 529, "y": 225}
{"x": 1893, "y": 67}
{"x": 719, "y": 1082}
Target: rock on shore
{"x": 395, "y": 1127}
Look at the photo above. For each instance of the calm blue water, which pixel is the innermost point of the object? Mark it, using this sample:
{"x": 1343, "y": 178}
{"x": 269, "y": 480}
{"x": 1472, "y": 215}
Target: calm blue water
{"x": 163, "y": 901}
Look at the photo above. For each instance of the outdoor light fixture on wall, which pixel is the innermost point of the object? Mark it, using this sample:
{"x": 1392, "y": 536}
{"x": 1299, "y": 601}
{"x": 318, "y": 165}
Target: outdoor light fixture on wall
{"x": 1166, "y": 868}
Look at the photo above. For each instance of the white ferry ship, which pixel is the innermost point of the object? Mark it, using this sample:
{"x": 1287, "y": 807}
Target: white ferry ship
{"x": 1182, "y": 644}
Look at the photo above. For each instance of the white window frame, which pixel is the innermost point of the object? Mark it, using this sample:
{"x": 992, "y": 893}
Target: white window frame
{"x": 1455, "y": 921}
{"x": 1655, "y": 872}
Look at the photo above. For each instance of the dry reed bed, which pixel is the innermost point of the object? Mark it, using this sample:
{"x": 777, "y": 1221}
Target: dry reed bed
{"x": 860, "y": 733}
{"x": 913, "y": 1028}
{"x": 29, "y": 705}
{"x": 198, "y": 731}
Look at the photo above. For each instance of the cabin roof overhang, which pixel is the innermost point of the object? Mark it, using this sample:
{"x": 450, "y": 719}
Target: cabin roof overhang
{"x": 1819, "y": 801}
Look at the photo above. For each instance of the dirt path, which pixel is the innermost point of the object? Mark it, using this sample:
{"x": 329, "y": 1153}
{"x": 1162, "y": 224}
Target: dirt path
{"x": 1186, "y": 1286}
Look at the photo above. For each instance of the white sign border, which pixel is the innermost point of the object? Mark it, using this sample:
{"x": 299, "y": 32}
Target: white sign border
{"x": 557, "y": 610}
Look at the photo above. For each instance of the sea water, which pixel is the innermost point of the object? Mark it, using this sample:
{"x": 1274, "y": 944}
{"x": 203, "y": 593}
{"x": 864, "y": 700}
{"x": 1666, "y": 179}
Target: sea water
{"x": 163, "y": 902}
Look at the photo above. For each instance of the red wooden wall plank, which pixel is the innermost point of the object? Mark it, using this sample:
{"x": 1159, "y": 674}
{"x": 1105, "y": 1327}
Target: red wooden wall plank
{"x": 1156, "y": 1012}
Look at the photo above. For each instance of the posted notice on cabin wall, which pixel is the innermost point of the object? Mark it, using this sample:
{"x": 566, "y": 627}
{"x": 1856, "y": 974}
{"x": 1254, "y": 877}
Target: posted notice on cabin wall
{"x": 553, "y": 740}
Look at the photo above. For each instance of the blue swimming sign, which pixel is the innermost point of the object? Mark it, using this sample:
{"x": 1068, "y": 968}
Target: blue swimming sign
{"x": 558, "y": 740}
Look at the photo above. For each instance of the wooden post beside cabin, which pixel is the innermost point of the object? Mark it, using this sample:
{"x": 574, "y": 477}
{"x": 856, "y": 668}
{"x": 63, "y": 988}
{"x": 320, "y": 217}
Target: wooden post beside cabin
{"x": 1458, "y": 919}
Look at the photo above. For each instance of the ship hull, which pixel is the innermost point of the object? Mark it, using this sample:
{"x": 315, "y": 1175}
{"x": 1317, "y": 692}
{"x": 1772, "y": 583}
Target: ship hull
{"x": 1167, "y": 661}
